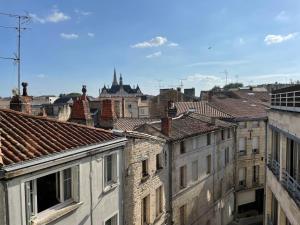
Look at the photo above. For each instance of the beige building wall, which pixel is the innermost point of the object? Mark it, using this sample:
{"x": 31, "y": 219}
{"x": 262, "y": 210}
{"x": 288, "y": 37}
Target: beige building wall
{"x": 246, "y": 193}
{"x": 288, "y": 211}
{"x": 137, "y": 187}
{"x": 208, "y": 199}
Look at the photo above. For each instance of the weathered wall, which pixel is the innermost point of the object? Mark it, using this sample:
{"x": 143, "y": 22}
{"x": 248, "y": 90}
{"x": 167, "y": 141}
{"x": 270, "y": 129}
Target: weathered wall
{"x": 104, "y": 203}
{"x": 2, "y": 204}
{"x": 135, "y": 189}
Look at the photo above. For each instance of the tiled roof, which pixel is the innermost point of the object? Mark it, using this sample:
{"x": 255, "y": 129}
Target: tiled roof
{"x": 25, "y": 137}
{"x": 201, "y": 107}
{"x": 130, "y": 124}
{"x": 261, "y": 97}
{"x": 191, "y": 124}
{"x": 239, "y": 108}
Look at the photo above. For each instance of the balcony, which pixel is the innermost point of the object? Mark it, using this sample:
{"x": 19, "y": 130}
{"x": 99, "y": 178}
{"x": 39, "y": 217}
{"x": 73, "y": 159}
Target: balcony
{"x": 274, "y": 166}
{"x": 292, "y": 186}
{"x": 289, "y": 101}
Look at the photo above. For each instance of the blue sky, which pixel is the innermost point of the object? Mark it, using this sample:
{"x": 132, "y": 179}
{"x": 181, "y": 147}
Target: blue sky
{"x": 152, "y": 43}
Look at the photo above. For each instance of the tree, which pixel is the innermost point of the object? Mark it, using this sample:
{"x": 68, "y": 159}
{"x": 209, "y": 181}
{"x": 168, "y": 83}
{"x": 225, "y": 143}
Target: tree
{"x": 233, "y": 85}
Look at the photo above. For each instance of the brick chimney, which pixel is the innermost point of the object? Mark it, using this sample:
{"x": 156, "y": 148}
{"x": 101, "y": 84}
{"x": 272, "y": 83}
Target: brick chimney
{"x": 80, "y": 112}
{"x": 21, "y": 103}
{"x": 166, "y": 125}
{"x": 107, "y": 115}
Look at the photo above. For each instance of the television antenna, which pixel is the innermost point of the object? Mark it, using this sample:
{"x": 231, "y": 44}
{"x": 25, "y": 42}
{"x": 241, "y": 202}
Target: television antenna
{"x": 21, "y": 19}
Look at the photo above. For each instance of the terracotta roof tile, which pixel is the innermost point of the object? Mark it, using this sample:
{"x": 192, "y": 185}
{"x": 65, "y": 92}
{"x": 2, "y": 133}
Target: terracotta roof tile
{"x": 201, "y": 107}
{"x": 240, "y": 108}
{"x": 192, "y": 124}
{"x": 130, "y": 124}
{"x": 25, "y": 137}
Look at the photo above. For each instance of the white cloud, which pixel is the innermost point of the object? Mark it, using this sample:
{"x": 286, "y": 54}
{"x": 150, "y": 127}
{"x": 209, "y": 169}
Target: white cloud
{"x": 55, "y": 17}
{"x": 91, "y": 34}
{"x": 154, "y": 55}
{"x": 69, "y": 36}
{"x": 219, "y": 63}
{"x": 173, "y": 44}
{"x": 41, "y": 75}
{"x": 282, "y": 16}
{"x": 82, "y": 13}
{"x": 201, "y": 77}
{"x": 154, "y": 42}
{"x": 275, "y": 39}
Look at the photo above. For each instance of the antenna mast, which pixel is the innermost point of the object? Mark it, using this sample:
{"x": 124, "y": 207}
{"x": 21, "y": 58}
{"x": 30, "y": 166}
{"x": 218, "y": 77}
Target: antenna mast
{"x": 17, "y": 59}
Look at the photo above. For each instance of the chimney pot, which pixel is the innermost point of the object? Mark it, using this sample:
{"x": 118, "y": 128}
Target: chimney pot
{"x": 24, "y": 85}
{"x": 166, "y": 126}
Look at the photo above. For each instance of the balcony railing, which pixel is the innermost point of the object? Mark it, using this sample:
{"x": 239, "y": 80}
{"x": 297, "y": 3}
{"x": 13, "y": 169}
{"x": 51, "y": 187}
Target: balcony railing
{"x": 274, "y": 166}
{"x": 289, "y": 101}
{"x": 291, "y": 185}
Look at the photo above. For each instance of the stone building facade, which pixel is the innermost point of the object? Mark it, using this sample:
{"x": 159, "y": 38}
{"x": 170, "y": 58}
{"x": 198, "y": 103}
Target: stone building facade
{"x": 201, "y": 164}
{"x": 283, "y": 168}
{"x": 146, "y": 187}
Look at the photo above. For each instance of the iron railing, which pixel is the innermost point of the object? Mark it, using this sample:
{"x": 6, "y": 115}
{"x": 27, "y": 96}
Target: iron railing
{"x": 274, "y": 166}
{"x": 291, "y": 185}
{"x": 286, "y": 100}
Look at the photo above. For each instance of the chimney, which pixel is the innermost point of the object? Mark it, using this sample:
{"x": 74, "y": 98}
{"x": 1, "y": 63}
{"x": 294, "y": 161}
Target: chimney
{"x": 107, "y": 115}
{"x": 166, "y": 125}
{"x": 21, "y": 103}
{"x": 80, "y": 112}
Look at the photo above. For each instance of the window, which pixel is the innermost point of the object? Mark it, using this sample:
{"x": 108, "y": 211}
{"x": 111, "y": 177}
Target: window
{"x": 228, "y": 133}
{"x": 145, "y": 168}
{"x": 208, "y": 163}
{"x": 182, "y": 213}
{"x": 256, "y": 174}
{"x": 243, "y": 124}
{"x": 255, "y": 124}
{"x": 182, "y": 147}
{"x": 222, "y": 135}
{"x": 112, "y": 221}
{"x": 242, "y": 146}
{"x": 195, "y": 170}
{"x": 242, "y": 176}
{"x": 159, "y": 161}
{"x": 182, "y": 177}
{"x": 145, "y": 210}
{"x": 159, "y": 200}
{"x": 50, "y": 190}
{"x": 255, "y": 144}
{"x": 208, "y": 139}
{"x": 110, "y": 169}
{"x": 226, "y": 156}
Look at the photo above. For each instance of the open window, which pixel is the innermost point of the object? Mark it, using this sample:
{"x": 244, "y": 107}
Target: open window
{"x": 48, "y": 191}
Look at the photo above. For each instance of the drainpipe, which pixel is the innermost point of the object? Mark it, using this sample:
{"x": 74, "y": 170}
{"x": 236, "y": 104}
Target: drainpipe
{"x": 170, "y": 172}
{"x": 265, "y": 178}
{"x": 235, "y": 172}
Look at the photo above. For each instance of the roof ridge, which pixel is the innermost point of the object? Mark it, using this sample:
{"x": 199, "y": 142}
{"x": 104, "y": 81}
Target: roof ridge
{"x": 52, "y": 120}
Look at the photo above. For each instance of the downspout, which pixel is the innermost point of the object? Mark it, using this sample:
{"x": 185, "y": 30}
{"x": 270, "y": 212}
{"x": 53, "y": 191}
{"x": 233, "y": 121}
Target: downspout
{"x": 235, "y": 172}
{"x": 170, "y": 172}
{"x": 265, "y": 178}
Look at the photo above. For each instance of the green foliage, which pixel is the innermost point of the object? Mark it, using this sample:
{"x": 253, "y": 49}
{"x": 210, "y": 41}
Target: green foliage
{"x": 232, "y": 85}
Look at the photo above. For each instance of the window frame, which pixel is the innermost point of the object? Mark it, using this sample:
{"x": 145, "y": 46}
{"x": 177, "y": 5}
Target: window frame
{"x": 146, "y": 172}
{"x": 114, "y": 172}
{"x": 159, "y": 161}
{"x": 208, "y": 139}
{"x": 182, "y": 177}
{"x": 28, "y": 202}
{"x": 182, "y": 147}
{"x": 195, "y": 174}
{"x": 208, "y": 164}
{"x": 159, "y": 200}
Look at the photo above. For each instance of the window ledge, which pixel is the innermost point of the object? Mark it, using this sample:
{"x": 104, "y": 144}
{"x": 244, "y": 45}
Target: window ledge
{"x": 145, "y": 178}
{"x": 110, "y": 187}
{"x": 55, "y": 212}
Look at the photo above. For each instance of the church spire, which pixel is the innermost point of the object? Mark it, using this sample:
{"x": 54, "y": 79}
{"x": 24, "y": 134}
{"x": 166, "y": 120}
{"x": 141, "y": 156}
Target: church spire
{"x": 115, "y": 82}
{"x": 121, "y": 80}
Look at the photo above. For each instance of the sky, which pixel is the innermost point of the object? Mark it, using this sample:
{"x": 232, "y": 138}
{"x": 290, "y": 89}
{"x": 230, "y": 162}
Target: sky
{"x": 155, "y": 44}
